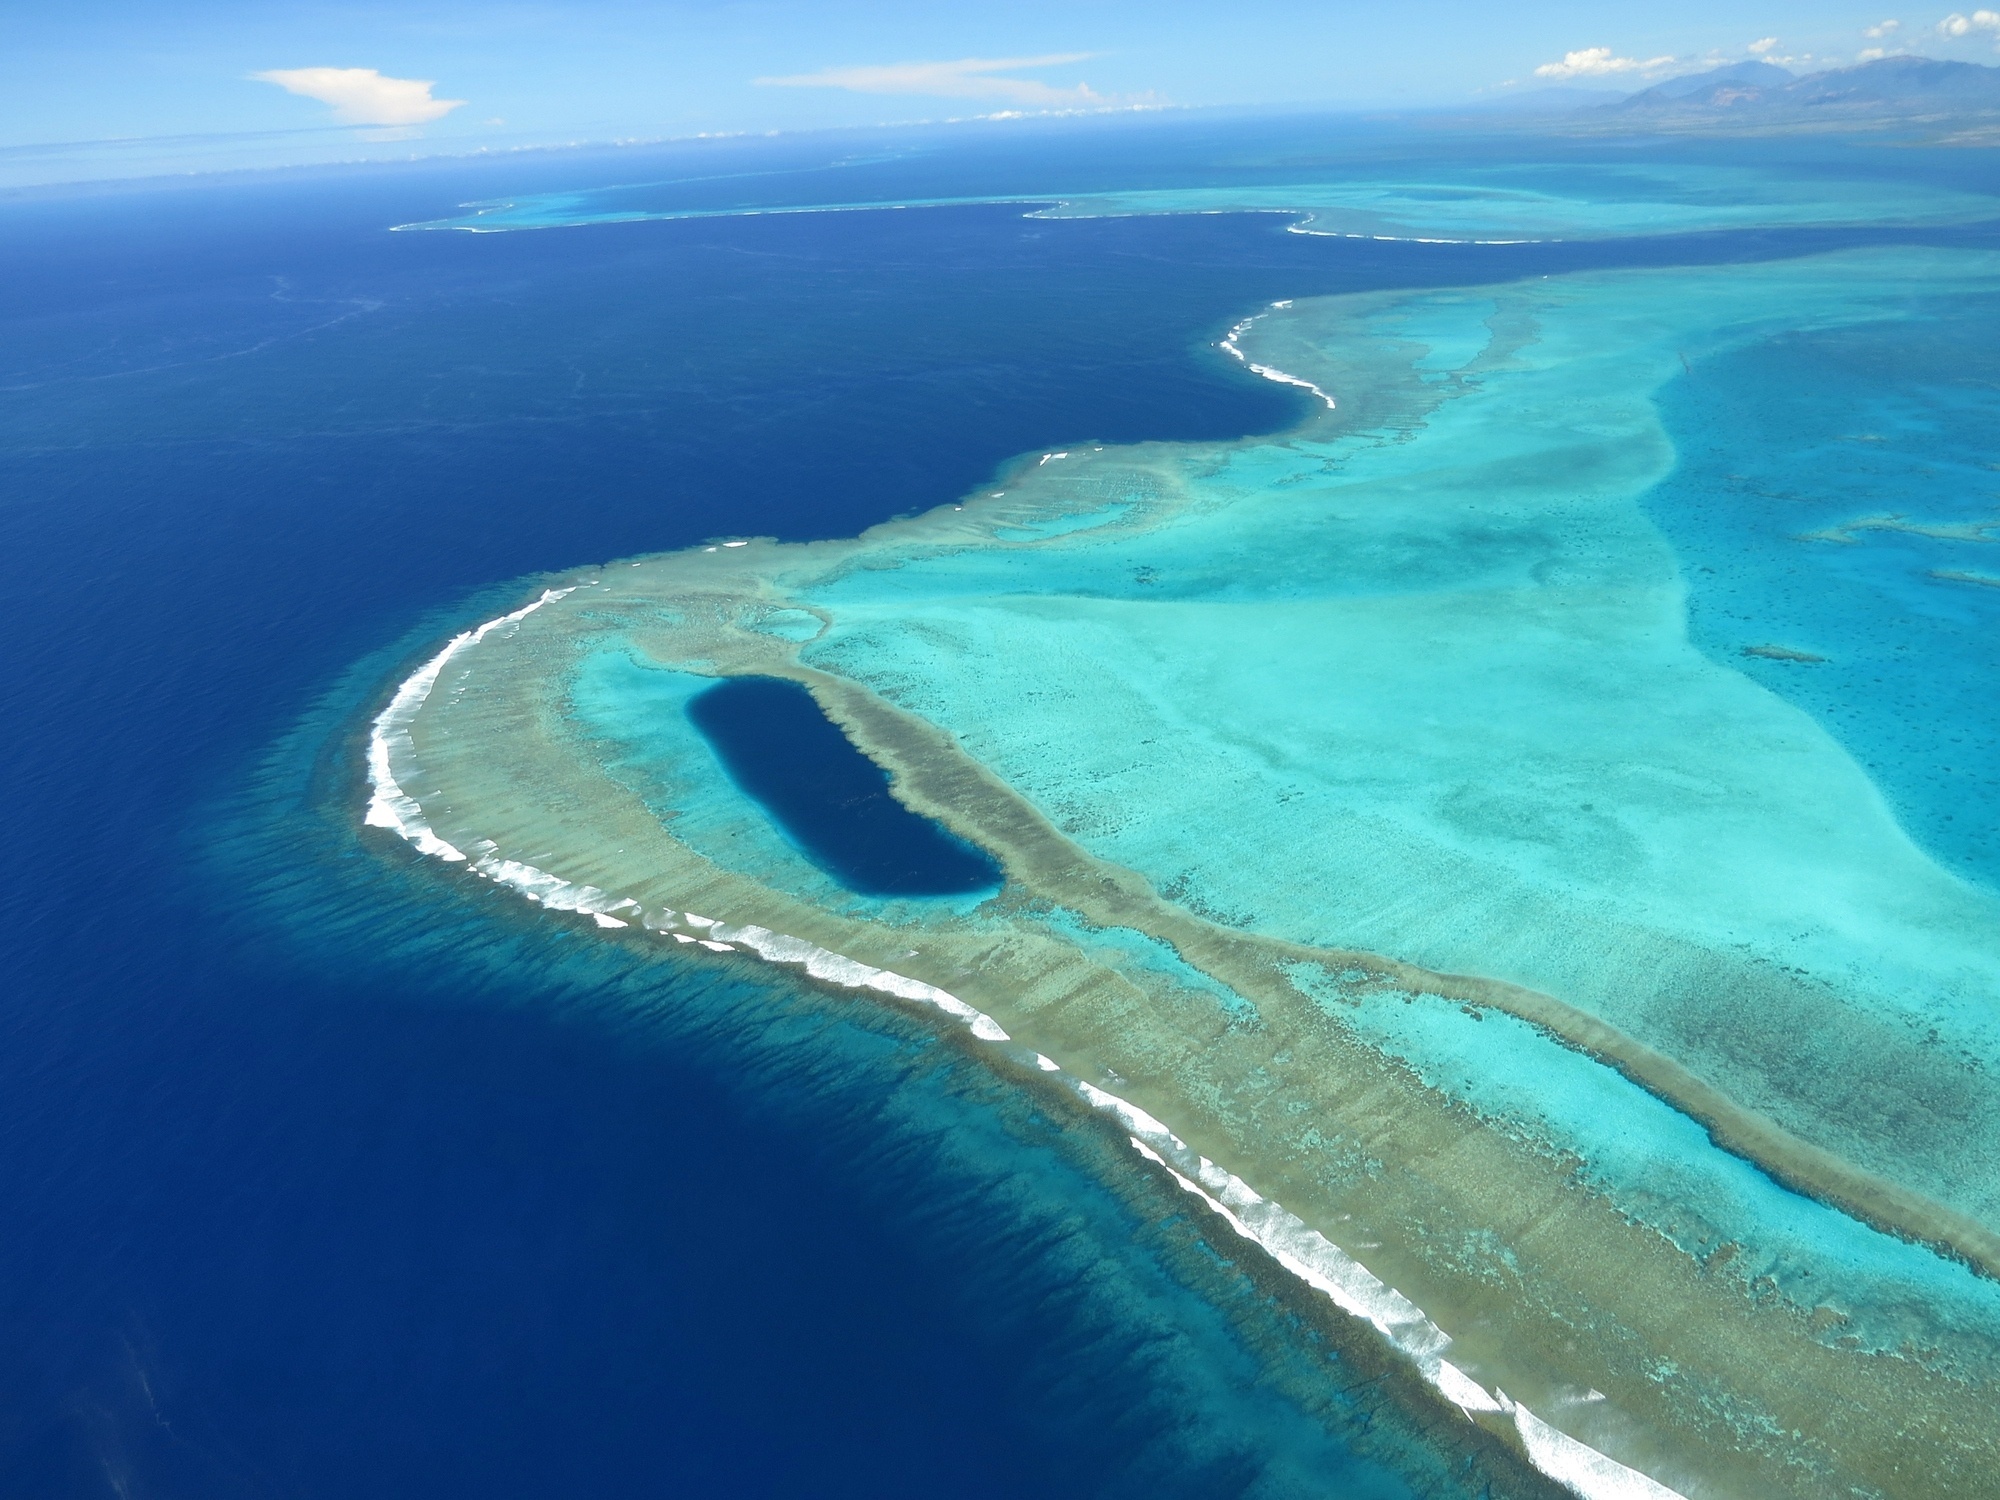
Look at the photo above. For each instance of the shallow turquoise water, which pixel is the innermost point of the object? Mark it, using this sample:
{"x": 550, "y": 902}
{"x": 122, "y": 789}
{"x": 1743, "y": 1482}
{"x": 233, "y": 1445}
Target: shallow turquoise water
{"x": 1662, "y": 1169}
{"x": 1791, "y": 452}
{"x": 1432, "y": 691}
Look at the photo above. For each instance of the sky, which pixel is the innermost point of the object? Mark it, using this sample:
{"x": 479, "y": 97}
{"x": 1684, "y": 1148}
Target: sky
{"x": 98, "y": 88}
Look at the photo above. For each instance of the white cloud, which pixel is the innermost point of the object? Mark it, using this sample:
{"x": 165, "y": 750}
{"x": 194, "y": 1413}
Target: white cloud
{"x": 966, "y": 78}
{"x": 1881, "y": 29}
{"x": 1763, "y": 44}
{"x": 1597, "y": 62}
{"x": 362, "y": 96}
{"x": 1980, "y": 20}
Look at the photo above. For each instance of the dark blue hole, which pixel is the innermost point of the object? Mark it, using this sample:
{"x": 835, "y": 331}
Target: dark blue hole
{"x": 830, "y": 800}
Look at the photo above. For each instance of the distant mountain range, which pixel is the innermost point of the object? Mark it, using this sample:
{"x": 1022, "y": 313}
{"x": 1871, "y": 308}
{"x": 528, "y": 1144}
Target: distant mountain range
{"x": 1718, "y": 85}
{"x": 1953, "y": 100}
{"x": 1887, "y": 88}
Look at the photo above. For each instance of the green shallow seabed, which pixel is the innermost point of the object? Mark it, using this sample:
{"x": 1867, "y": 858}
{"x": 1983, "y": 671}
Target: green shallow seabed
{"x": 1369, "y": 818}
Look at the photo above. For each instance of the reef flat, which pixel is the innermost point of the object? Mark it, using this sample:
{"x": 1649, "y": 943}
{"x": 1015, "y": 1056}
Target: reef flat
{"x": 1439, "y": 199}
{"x": 1377, "y": 844}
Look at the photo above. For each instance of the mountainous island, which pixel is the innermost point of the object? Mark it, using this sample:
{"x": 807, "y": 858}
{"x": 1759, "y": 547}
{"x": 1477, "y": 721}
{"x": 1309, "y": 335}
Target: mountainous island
{"x": 1954, "y": 103}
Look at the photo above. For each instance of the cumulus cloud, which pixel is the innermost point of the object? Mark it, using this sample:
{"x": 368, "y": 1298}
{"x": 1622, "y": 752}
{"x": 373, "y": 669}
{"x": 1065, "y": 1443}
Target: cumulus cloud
{"x": 1763, "y": 44}
{"x": 1980, "y": 20}
{"x": 362, "y": 96}
{"x": 1597, "y": 62}
{"x": 1881, "y": 29}
{"x": 966, "y": 78}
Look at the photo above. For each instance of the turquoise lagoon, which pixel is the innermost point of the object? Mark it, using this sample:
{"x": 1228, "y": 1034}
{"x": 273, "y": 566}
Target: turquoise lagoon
{"x": 1626, "y": 636}
{"x": 1835, "y": 492}
{"x": 1430, "y": 690}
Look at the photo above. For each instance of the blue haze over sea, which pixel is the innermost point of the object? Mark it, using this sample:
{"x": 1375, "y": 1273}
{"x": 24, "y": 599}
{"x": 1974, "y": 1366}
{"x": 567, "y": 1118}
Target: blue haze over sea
{"x": 323, "y": 1177}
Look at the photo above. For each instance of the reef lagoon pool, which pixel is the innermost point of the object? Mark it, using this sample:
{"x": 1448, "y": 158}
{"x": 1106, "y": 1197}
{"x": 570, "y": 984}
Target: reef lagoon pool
{"x": 832, "y": 801}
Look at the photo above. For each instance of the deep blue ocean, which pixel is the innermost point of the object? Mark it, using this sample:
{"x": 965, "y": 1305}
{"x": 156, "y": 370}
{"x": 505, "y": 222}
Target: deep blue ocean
{"x": 323, "y": 1175}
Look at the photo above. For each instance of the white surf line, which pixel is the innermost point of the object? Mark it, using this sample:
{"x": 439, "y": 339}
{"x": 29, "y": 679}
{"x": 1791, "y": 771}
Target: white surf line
{"x": 388, "y": 805}
{"x": 1297, "y": 1247}
{"x": 1229, "y": 347}
{"x": 1400, "y": 239}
